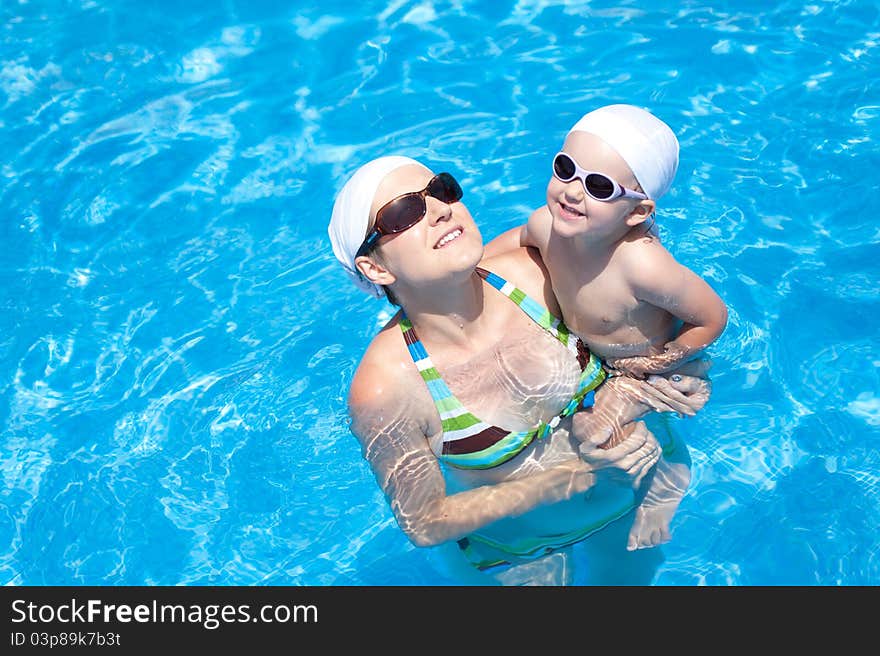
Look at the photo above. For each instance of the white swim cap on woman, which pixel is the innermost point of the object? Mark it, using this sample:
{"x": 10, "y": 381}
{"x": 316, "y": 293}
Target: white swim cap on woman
{"x": 351, "y": 214}
{"x": 645, "y": 143}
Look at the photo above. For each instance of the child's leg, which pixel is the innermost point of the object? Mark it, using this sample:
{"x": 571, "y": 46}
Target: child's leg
{"x": 602, "y": 559}
{"x": 664, "y": 489}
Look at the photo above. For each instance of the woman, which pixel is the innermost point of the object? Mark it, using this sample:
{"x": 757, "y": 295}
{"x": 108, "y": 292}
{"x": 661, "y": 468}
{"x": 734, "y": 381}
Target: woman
{"x": 480, "y": 457}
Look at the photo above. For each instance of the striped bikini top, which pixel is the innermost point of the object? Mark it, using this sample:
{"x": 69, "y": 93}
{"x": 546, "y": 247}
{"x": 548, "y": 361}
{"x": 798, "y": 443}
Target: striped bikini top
{"x": 469, "y": 443}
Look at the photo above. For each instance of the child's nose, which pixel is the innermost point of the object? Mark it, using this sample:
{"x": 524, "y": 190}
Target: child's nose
{"x": 574, "y": 191}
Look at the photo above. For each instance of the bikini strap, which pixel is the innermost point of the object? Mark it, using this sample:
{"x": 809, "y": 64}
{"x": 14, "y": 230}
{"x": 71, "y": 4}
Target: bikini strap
{"x": 487, "y": 446}
{"x": 457, "y": 421}
{"x": 537, "y": 312}
{"x": 592, "y": 373}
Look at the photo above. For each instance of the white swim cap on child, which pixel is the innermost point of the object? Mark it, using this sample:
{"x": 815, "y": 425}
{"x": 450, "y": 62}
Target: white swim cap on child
{"x": 645, "y": 143}
{"x": 351, "y": 214}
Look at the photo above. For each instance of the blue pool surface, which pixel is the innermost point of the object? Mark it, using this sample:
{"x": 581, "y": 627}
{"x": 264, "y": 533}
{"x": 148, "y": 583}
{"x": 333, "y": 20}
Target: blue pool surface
{"x": 177, "y": 340}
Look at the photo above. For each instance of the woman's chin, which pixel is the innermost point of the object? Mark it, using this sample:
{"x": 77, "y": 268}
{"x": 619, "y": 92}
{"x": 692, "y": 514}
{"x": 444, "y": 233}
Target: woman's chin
{"x": 463, "y": 254}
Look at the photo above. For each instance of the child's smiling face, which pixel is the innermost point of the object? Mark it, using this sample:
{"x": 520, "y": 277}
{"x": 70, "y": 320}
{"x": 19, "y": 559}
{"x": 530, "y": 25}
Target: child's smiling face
{"x": 576, "y": 212}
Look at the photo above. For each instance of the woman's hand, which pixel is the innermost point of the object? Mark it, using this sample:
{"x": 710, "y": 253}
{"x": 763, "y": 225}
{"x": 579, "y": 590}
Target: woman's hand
{"x": 621, "y": 400}
{"x": 627, "y": 462}
{"x": 684, "y": 391}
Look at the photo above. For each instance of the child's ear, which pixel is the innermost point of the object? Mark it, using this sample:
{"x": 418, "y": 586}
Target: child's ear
{"x": 373, "y": 271}
{"x": 641, "y": 212}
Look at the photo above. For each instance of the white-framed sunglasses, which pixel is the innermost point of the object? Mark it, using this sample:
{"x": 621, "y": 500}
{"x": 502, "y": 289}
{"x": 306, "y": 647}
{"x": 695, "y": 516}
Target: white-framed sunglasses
{"x": 598, "y": 185}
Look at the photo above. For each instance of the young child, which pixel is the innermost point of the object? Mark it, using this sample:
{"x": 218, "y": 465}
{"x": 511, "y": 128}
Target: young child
{"x": 618, "y": 288}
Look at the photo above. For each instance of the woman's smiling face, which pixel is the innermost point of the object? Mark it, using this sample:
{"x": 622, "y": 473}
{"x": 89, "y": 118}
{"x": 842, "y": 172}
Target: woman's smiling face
{"x": 446, "y": 241}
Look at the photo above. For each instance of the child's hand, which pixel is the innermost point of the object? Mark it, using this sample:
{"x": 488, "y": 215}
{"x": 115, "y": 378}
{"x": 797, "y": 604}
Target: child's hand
{"x": 674, "y": 354}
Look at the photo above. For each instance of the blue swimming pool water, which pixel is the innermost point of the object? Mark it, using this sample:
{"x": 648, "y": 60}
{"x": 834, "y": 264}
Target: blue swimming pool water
{"x": 176, "y": 339}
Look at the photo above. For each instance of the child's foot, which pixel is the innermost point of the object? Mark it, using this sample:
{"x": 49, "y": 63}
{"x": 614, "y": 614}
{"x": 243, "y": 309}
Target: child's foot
{"x": 654, "y": 514}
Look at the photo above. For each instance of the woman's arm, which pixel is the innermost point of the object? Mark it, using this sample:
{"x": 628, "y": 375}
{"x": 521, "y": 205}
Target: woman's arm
{"x": 621, "y": 400}
{"x": 389, "y": 424}
{"x": 628, "y": 460}
{"x": 612, "y": 442}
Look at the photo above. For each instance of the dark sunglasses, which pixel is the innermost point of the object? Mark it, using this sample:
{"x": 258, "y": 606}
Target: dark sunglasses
{"x": 597, "y": 185}
{"x": 404, "y": 211}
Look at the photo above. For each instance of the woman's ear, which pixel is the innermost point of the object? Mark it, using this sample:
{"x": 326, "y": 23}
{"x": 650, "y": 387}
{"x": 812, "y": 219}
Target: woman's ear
{"x": 372, "y": 270}
{"x": 641, "y": 212}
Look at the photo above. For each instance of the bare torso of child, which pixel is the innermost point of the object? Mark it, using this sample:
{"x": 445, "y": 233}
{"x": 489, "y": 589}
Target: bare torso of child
{"x": 600, "y": 305}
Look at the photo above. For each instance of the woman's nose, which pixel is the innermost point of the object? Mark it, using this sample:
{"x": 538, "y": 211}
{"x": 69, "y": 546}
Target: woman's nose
{"x": 437, "y": 210}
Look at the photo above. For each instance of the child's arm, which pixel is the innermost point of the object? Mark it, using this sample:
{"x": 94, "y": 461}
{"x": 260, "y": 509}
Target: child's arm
{"x": 657, "y": 278}
{"x": 506, "y": 241}
{"x": 532, "y": 233}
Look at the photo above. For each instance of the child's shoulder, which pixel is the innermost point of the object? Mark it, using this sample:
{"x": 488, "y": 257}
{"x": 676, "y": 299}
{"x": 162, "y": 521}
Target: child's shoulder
{"x": 643, "y": 257}
{"x": 538, "y": 228}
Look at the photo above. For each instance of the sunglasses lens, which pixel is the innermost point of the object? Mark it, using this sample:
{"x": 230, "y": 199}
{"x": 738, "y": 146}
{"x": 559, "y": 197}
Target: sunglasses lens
{"x": 405, "y": 211}
{"x": 445, "y": 188}
{"x": 563, "y": 167}
{"x": 599, "y": 186}
{"x": 401, "y": 214}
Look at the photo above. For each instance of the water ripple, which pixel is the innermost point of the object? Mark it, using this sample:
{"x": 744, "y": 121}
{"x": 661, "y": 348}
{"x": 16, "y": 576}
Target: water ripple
{"x": 177, "y": 339}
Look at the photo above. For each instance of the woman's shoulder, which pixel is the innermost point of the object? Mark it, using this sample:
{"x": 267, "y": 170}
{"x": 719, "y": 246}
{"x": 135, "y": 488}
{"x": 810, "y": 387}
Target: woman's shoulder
{"x": 383, "y": 355}
{"x": 524, "y": 268}
{"x": 384, "y": 377}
